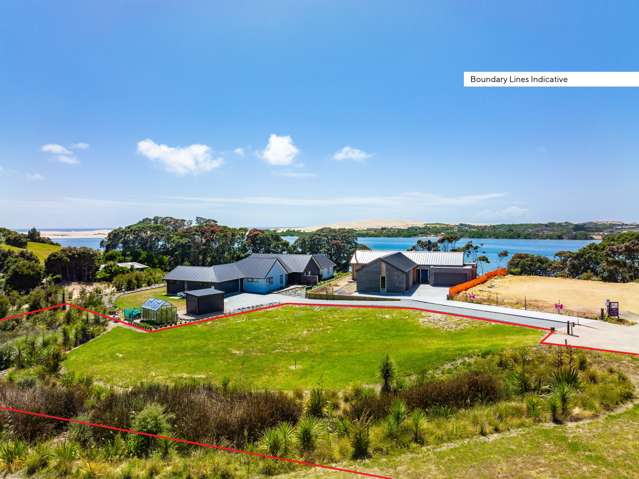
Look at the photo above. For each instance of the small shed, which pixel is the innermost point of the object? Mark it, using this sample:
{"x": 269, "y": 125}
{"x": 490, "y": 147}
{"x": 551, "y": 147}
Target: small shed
{"x": 204, "y": 301}
{"x": 158, "y": 311}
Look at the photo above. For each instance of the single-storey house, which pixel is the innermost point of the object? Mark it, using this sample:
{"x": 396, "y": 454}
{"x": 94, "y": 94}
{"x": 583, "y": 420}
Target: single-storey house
{"x": 257, "y": 273}
{"x": 399, "y": 271}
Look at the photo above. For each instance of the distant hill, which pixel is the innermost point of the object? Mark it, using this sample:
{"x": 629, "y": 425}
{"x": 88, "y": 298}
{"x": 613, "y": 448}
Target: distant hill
{"x": 367, "y": 224}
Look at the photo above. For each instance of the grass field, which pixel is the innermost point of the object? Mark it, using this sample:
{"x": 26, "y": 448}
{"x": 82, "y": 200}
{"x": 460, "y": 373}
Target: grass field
{"x": 135, "y": 300}
{"x": 41, "y": 250}
{"x": 603, "y": 448}
{"x": 293, "y": 347}
{"x": 579, "y": 297}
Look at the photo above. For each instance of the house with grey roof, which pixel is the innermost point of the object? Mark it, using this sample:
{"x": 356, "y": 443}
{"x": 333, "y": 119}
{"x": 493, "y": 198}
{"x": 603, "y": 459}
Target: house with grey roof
{"x": 400, "y": 271}
{"x": 257, "y": 273}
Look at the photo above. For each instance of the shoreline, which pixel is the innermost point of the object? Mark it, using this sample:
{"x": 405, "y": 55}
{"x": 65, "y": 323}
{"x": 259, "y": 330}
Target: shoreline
{"x": 57, "y": 234}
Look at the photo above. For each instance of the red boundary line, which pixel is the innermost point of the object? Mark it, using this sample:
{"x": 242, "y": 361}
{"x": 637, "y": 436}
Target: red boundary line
{"x": 544, "y": 341}
{"x": 191, "y": 443}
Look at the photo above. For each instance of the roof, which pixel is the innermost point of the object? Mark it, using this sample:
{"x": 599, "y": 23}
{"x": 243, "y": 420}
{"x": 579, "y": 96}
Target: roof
{"x": 323, "y": 261}
{"x": 256, "y": 266}
{"x": 399, "y": 261}
{"x": 421, "y": 258}
{"x": 204, "y": 292}
{"x": 154, "y": 304}
{"x": 293, "y": 263}
{"x": 132, "y": 264}
{"x": 226, "y": 272}
{"x": 202, "y": 274}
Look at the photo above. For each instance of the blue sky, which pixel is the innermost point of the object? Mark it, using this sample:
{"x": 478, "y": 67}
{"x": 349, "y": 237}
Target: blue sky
{"x": 272, "y": 113}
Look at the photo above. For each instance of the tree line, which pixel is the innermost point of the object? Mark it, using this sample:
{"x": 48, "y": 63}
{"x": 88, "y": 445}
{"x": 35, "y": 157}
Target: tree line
{"x": 614, "y": 259}
{"x": 166, "y": 242}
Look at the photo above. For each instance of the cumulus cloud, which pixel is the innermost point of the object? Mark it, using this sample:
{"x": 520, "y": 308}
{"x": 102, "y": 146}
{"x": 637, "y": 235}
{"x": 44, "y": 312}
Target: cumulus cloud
{"x": 63, "y": 154}
{"x": 239, "y": 152}
{"x": 55, "y": 149}
{"x": 280, "y": 151}
{"x": 192, "y": 159}
{"x": 350, "y": 153}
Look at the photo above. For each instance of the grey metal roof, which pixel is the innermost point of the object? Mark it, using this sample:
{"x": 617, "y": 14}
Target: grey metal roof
{"x": 323, "y": 261}
{"x": 399, "y": 261}
{"x": 226, "y": 272}
{"x": 202, "y": 274}
{"x": 421, "y": 258}
{"x": 132, "y": 264}
{"x": 204, "y": 292}
{"x": 293, "y": 263}
{"x": 256, "y": 266}
{"x": 154, "y": 304}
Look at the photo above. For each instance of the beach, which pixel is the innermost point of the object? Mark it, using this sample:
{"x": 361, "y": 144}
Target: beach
{"x": 75, "y": 234}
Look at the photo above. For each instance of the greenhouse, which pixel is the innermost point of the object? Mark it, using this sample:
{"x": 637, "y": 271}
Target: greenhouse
{"x": 157, "y": 311}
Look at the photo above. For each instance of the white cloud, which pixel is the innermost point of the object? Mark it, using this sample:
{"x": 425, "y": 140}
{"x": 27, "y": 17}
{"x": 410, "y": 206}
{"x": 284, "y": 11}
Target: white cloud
{"x": 239, "y": 152}
{"x": 66, "y": 159}
{"x": 192, "y": 159}
{"x": 350, "y": 153}
{"x": 62, "y": 154}
{"x": 280, "y": 151}
{"x": 34, "y": 177}
{"x": 56, "y": 149}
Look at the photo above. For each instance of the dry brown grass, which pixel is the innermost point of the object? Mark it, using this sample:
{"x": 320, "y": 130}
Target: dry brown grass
{"x": 579, "y": 297}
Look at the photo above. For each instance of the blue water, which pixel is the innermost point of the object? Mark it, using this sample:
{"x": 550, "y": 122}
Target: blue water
{"x": 488, "y": 247}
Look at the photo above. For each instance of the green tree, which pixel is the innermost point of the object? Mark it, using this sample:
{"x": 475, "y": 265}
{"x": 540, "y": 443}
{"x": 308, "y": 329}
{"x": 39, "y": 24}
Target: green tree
{"x": 502, "y": 255}
{"x": 24, "y": 275}
{"x": 260, "y": 241}
{"x": 338, "y": 244}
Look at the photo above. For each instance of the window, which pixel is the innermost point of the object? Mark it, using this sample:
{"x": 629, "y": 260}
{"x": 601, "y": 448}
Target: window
{"x": 269, "y": 280}
{"x": 281, "y": 279}
{"x": 382, "y": 283}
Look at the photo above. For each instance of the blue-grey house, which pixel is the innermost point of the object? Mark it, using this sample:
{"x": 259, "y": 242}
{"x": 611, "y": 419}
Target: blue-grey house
{"x": 257, "y": 273}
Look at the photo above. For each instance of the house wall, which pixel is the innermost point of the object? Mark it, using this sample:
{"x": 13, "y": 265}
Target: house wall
{"x": 204, "y": 304}
{"x": 450, "y": 275}
{"x": 174, "y": 287}
{"x": 275, "y": 279}
{"x": 368, "y": 278}
{"x": 326, "y": 273}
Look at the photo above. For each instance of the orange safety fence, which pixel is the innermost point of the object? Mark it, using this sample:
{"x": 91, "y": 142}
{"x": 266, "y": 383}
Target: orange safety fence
{"x": 455, "y": 290}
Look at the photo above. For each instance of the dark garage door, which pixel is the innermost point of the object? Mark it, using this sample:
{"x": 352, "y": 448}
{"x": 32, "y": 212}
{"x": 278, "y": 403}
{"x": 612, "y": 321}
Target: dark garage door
{"x": 448, "y": 279}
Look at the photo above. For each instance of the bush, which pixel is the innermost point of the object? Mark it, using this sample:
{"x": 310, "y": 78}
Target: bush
{"x": 360, "y": 439}
{"x": 307, "y": 432}
{"x": 153, "y": 420}
{"x": 316, "y": 403}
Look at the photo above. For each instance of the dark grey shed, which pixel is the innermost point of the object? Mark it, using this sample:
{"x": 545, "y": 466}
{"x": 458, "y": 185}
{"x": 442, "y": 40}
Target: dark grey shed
{"x": 204, "y": 301}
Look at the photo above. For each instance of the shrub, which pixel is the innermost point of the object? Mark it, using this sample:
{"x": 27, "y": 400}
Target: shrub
{"x": 307, "y": 432}
{"x": 387, "y": 374}
{"x": 12, "y": 454}
{"x": 418, "y": 426}
{"x": 360, "y": 439}
{"x": 316, "y": 403}
{"x": 460, "y": 391}
{"x": 154, "y": 420}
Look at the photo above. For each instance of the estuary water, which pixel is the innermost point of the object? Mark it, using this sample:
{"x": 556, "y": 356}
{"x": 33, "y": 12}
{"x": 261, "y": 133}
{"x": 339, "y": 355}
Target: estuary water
{"x": 487, "y": 246}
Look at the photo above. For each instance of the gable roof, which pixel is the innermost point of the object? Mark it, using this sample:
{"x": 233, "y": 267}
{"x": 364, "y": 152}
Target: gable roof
{"x": 293, "y": 263}
{"x": 202, "y": 274}
{"x": 323, "y": 261}
{"x": 399, "y": 261}
{"x": 256, "y": 266}
{"x": 421, "y": 258}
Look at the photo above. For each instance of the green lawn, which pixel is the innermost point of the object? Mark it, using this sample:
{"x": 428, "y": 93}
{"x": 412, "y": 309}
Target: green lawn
{"x": 135, "y": 300}
{"x": 290, "y": 347}
{"x": 41, "y": 250}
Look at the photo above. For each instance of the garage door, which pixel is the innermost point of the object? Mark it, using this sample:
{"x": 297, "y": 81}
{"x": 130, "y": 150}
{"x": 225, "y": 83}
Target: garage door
{"x": 448, "y": 279}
